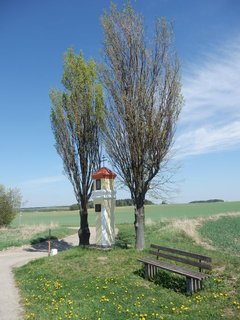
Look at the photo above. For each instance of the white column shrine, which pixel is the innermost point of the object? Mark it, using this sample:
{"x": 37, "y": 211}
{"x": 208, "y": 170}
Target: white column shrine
{"x": 104, "y": 199}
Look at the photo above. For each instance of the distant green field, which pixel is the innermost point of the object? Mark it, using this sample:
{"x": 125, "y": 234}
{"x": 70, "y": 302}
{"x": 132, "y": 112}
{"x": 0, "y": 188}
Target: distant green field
{"x": 126, "y": 215}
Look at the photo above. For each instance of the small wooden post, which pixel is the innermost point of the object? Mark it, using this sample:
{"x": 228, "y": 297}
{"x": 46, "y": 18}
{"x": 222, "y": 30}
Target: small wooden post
{"x": 49, "y": 242}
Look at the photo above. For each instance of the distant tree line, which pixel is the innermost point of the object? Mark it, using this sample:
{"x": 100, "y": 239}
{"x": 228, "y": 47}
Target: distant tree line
{"x": 119, "y": 203}
{"x": 75, "y": 206}
{"x": 45, "y": 209}
{"x": 129, "y": 202}
{"x": 207, "y": 201}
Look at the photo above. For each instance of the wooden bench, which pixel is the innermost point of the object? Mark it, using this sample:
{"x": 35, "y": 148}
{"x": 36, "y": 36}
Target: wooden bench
{"x": 194, "y": 278}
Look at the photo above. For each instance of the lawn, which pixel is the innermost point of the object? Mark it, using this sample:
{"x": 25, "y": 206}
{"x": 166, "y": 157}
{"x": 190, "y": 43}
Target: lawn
{"x": 126, "y": 215}
{"x": 105, "y": 285}
{"x": 223, "y": 233}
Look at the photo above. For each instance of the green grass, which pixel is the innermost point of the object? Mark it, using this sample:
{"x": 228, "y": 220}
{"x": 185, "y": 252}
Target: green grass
{"x": 105, "y": 285}
{"x": 126, "y": 215}
{"x": 16, "y": 237}
{"x": 223, "y": 233}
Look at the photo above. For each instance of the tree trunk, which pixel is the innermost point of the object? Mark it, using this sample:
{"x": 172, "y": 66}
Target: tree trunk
{"x": 139, "y": 228}
{"x": 84, "y": 232}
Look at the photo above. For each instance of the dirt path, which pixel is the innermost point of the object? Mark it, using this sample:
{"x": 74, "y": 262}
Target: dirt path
{"x": 10, "y": 308}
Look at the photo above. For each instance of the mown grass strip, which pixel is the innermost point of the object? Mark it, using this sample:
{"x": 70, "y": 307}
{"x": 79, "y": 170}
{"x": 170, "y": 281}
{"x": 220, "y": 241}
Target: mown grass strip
{"x": 16, "y": 237}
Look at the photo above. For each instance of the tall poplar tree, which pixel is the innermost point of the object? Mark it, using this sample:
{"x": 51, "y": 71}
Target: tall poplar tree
{"x": 142, "y": 80}
{"x": 76, "y": 118}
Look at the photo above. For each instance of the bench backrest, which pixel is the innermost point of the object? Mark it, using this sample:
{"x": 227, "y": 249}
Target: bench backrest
{"x": 185, "y": 257}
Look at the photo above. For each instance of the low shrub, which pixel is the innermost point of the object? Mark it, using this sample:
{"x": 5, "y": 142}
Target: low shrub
{"x": 10, "y": 201}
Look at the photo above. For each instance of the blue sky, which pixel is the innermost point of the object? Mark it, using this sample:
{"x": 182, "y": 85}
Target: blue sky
{"x": 34, "y": 36}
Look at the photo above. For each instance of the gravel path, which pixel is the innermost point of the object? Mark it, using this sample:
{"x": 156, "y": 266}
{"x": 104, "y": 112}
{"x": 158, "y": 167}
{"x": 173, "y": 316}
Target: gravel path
{"x": 10, "y": 308}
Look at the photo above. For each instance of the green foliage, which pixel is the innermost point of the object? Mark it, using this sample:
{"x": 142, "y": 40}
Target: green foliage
{"x": 94, "y": 284}
{"x": 82, "y": 99}
{"x": 148, "y": 202}
{"x": 74, "y": 207}
{"x": 10, "y": 202}
{"x": 223, "y": 233}
{"x": 124, "y": 202}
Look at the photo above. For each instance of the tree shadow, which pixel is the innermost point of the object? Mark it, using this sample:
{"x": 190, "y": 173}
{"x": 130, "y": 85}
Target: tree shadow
{"x": 124, "y": 239}
{"x": 166, "y": 280}
{"x": 43, "y": 246}
{"x": 38, "y": 240}
{"x": 122, "y": 244}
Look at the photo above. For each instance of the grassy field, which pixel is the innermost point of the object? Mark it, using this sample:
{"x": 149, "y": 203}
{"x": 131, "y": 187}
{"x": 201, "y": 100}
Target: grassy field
{"x": 105, "y": 285}
{"x": 126, "y": 215}
{"x": 223, "y": 233}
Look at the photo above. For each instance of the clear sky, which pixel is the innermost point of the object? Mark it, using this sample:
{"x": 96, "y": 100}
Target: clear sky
{"x": 34, "y": 36}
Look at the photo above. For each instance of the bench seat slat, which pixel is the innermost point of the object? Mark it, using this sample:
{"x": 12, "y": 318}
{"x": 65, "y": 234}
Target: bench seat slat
{"x": 182, "y": 253}
{"x": 183, "y": 260}
{"x": 174, "y": 268}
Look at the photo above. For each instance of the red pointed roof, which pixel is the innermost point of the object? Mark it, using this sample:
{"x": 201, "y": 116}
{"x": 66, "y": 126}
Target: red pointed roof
{"x": 103, "y": 173}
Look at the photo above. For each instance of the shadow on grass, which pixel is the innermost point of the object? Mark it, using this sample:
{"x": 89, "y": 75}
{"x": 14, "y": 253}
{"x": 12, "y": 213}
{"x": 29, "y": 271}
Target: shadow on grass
{"x": 41, "y": 244}
{"x": 122, "y": 244}
{"x": 125, "y": 238}
{"x": 41, "y": 239}
{"x": 166, "y": 280}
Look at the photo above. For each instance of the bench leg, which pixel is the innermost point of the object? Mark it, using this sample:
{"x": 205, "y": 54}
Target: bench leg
{"x": 190, "y": 285}
{"x": 149, "y": 271}
{"x": 155, "y": 271}
{"x": 199, "y": 284}
{"x": 146, "y": 275}
{"x": 152, "y": 271}
{"x": 193, "y": 285}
